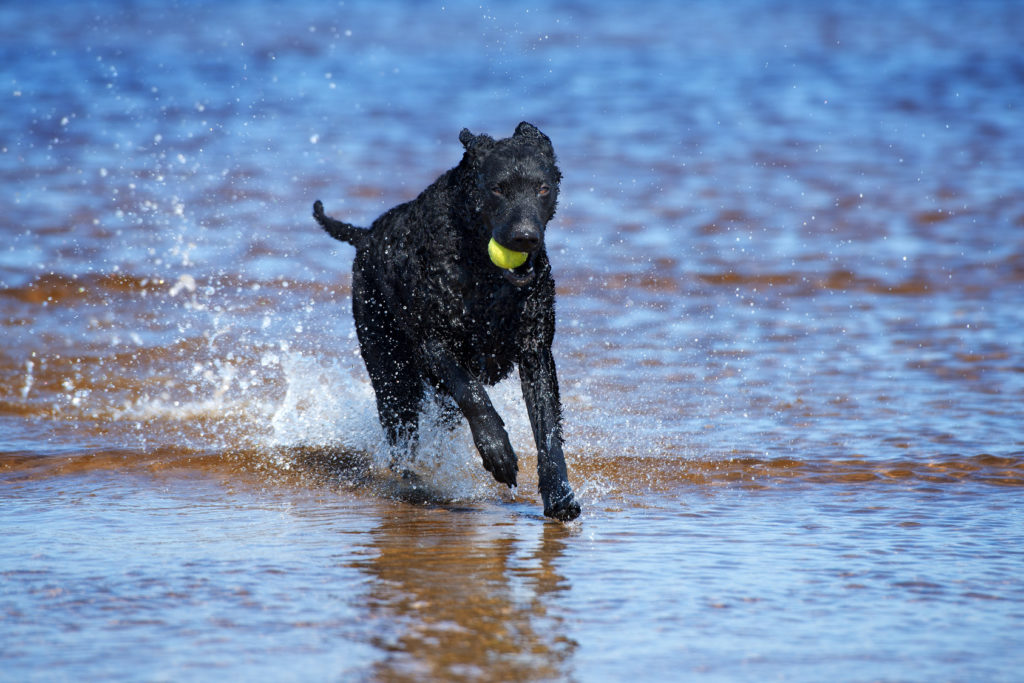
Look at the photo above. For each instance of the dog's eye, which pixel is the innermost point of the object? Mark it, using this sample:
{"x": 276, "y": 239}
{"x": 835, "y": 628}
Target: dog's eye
{"x": 543, "y": 190}
{"x": 495, "y": 190}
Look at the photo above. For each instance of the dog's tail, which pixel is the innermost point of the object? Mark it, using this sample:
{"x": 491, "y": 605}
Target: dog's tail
{"x": 336, "y": 229}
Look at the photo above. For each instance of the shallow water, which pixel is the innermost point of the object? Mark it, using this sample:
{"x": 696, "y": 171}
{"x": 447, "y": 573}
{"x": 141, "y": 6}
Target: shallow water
{"x": 790, "y": 261}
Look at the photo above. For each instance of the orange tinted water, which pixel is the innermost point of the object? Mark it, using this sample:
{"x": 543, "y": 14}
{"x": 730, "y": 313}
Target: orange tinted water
{"x": 790, "y": 266}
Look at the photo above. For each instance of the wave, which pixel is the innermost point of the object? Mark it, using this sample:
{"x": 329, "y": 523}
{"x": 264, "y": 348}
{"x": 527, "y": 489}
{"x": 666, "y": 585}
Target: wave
{"x": 56, "y": 288}
{"x": 447, "y": 470}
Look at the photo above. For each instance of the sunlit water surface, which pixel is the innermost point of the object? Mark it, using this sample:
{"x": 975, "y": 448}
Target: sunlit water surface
{"x": 790, "y": 259}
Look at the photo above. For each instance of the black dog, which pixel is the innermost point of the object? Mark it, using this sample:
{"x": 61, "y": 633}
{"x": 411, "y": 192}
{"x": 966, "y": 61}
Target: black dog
{"x": 432, "y": 309}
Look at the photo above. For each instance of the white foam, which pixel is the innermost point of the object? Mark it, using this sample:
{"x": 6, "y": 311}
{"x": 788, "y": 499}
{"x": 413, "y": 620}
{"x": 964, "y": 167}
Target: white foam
{"x": 324, "y": 404}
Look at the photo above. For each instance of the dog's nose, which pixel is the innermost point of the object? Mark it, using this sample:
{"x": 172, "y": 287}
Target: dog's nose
{"x": 524, "y": 239}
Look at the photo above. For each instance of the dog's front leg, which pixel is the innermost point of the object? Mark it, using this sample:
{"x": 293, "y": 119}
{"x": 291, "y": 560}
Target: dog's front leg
{"x": 540, "y": 391}
{"x": 487, "y": 427}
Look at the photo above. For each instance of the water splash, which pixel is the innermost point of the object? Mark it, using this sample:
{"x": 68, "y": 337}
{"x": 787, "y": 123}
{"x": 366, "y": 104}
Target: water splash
{"x": 29, "y": 378}
{"x": 331, "y": 407}
{"x": 324, "y": 404}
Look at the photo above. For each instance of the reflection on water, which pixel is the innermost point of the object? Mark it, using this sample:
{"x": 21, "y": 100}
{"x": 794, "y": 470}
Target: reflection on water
{"x": 218, "y": 570}
{"x": 454, "y": 599}
{"x": 790, "y": 267}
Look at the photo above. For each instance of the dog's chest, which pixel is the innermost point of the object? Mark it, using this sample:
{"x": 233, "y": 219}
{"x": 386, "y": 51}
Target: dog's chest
{"x": 494, "y": 313}
{"x": 491, "y": 320}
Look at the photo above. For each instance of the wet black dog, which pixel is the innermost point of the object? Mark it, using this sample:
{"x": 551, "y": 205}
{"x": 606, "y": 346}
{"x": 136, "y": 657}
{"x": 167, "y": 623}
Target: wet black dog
{"x": 432, "y": 309}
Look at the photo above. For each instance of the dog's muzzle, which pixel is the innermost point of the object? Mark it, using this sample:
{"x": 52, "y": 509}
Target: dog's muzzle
{"x": 522, "y": 275}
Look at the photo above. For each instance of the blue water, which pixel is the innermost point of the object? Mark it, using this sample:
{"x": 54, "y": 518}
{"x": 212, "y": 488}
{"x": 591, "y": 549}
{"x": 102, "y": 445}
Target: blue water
{"x": 790, "y": 265}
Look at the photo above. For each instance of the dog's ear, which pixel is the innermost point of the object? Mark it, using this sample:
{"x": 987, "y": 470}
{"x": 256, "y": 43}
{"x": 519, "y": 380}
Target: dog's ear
{"x": 475, "y": 144}
{"x": 526, "y": 129}
{"x": 531, "y": 132}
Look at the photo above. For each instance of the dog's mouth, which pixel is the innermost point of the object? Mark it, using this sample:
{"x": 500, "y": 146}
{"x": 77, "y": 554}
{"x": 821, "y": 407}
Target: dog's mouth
{"x": 516, "y": 266}
{"x": 521, "y": 275}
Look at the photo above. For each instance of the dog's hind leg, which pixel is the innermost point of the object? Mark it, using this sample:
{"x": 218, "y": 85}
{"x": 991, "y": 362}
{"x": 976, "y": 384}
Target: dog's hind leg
{"x": 396, "y": 382}
{"x": 399, "y": 392}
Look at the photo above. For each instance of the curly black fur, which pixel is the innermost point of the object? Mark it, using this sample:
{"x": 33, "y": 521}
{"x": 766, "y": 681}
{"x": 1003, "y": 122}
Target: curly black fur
{"x": 432, "y": 310}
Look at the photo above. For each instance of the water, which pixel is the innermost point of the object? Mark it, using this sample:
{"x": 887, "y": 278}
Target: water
{"x": 790, "y": 258}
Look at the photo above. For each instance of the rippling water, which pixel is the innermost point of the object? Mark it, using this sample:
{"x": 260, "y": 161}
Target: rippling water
{"x": 790, "y": 261}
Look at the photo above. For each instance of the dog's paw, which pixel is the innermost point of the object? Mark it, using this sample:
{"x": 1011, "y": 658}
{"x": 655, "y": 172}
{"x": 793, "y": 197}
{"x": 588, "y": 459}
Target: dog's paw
{"x": 564, "y": 508}
{"x": 495, "y": 450}
{"x": 500, "y": 460}
{"x": 503, "y": 466}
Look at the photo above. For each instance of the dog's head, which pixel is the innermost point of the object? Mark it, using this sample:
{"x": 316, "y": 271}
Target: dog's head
{"x": 515, "y": 192}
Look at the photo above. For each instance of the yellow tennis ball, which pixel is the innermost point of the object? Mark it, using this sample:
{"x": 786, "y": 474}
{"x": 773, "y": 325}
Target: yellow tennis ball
{"x": 504, "y": 257}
